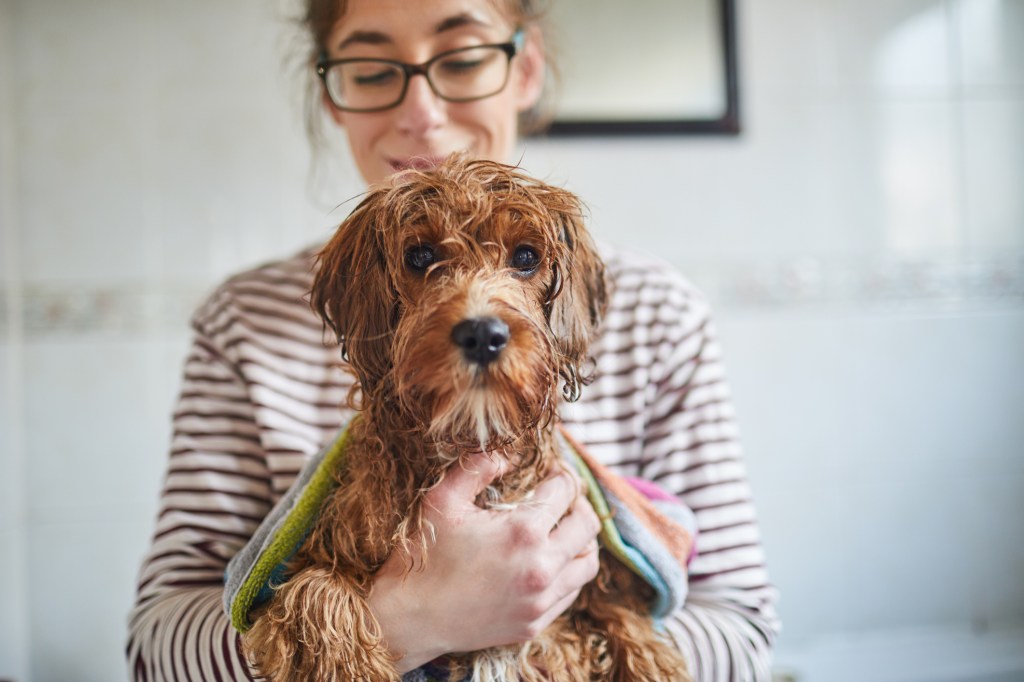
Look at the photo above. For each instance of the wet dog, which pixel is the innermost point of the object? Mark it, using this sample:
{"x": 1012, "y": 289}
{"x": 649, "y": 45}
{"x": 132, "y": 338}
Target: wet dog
{"x": 465, "y": 300}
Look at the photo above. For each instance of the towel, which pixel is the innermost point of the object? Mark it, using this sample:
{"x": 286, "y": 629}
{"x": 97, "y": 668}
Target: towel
{"x": 251, "y": 573}
{"x": 653, "y": 533}
{"x": 647, "y": 529}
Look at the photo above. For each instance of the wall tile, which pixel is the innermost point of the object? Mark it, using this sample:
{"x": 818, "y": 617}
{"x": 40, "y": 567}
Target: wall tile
{"x": 619, "y": 184}
{"x": 919, "y": 655}
{"x": 903, "y": 369}
{"x": 14, "y": 588}
{"x": 67, "y": 48}
{"x": 892, "y": 429}
{"x": 795, "y": 376}
{"x": 82, "y": 138}
{"x": 123, "y": 158}
{"x": 14, "y": 595}
{"x": 83, "y": 200}
{"x": 990, "y": 41}
{"x": 8, "y": 146}
{"x": 811, "y": 168}
{"x": 260, "y": 47}
{"x": 897, "y": 49}
{"x": 994, "y": 173}
{"x": 999, "y": 599}
{"x": 838, "y": 176}
{"x": 920, "y": 177}
{"x": 788, "y": 426}
{"x": 12, "y": 453}
{"x": 96, "y": 432}
{"x": 911, "y": 550}
{"x": 83, "y": 582}
{"x": 232, "y": 183}
{"x": 789, "y": 46}
{"x": 238, "y": 194}
{"x": 804, "y": 561}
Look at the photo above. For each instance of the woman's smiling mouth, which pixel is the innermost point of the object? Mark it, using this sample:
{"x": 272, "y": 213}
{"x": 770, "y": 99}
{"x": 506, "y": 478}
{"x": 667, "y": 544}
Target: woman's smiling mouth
{"x": 419, "y": 162}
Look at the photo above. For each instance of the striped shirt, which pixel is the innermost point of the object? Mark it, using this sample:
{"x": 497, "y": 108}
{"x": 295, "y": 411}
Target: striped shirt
{"x": 261, "y": 394}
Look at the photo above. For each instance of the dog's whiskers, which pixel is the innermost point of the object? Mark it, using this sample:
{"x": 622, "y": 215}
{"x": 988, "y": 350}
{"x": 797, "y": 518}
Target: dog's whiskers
{"x": 480, "y": 414}
{"x": 472, "y": 412}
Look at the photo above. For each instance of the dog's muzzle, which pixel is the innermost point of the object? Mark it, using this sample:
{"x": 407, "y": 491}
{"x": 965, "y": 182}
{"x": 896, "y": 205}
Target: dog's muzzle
{"x": 481, "y": 339}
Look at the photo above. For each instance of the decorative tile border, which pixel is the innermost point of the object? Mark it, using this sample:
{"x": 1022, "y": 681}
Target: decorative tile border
{"x": 60, "y": 310}
{"x": 882, "y": 284}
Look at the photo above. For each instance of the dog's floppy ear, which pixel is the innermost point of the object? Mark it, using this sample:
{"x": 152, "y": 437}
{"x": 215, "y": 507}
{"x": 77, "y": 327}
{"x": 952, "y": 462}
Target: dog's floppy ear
{"x": 578, "y": 300}
{"x": 353, "y": 295}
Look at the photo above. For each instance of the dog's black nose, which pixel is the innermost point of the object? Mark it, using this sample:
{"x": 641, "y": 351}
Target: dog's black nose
{"x": 481, "y": 338}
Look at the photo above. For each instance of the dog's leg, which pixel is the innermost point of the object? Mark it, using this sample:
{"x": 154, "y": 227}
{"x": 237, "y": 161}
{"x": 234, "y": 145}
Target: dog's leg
{"x": 561, "y": 654}
{"x": 621, "y": 638}
{"x": 318, "y": 627}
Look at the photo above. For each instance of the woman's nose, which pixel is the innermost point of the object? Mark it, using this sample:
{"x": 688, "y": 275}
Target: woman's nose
{"x": 421, "y": 110}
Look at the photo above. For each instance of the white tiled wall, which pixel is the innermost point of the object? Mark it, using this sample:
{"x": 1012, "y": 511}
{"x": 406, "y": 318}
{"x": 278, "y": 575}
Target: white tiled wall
{"x": 863, "y": 241}
{"x": 14, "y": 616}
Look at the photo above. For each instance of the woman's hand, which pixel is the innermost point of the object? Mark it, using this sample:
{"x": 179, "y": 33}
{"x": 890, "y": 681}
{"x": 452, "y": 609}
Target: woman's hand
{"x": 492, "y": 577}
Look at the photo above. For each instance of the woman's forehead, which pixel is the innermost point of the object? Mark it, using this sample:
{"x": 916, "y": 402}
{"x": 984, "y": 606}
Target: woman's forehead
{"x": 393, "y": 22}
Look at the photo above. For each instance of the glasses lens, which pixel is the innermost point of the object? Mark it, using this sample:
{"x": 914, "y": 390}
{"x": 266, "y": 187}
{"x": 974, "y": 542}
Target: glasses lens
{"x": 470, "y": 74}
{"x": 365, "y": 84}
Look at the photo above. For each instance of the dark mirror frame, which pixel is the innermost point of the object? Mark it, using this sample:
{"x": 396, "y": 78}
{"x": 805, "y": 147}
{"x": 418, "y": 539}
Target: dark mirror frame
{"x": 727, "y": 124}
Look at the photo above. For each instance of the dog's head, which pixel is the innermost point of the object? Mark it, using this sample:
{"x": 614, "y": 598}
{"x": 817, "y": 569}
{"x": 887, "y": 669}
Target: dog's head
{"x": 466, "y": 296}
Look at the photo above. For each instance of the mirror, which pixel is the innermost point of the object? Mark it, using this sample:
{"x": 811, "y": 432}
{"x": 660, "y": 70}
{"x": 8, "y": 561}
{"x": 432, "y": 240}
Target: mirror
{"x": 645, "y": 67}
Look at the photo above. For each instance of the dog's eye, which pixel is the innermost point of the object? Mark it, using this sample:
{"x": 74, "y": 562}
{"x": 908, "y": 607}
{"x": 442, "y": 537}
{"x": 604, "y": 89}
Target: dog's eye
{"x": 525, "y": 259}
{"x": 420, "y": 257}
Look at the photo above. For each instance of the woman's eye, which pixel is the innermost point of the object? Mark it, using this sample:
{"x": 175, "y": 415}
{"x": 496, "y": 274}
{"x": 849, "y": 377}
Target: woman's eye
{"x": 374, "y": 79}
{"x": 456, "y": 67}
{"x": 366, "y": 74}
{"x": 420, "y": 257}
{"x": 525, "y": 259}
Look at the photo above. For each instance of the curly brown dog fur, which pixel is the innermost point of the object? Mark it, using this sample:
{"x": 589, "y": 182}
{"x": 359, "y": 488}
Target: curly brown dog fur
{"x": 406, "y": 284}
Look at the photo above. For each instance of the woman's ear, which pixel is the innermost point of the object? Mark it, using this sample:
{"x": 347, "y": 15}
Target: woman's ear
{"x": 529, "y": 69}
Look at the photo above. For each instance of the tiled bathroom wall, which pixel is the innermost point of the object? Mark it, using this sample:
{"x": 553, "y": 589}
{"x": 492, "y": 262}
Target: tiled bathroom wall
{"x": 862, "y": 241}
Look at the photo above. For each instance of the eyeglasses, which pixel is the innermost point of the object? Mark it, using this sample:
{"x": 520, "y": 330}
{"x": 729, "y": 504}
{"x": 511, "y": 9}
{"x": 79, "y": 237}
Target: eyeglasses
{"x": 462, "y": 75}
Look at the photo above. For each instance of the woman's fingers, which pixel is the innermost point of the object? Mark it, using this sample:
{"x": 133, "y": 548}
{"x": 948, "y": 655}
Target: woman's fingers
{"x": 493, "y": 576}
{"x": 464, "y": 482}
{"x": 580, "y": 571}
{"x": 578, "y": 529}
{"x": 555, "y": 496}
{"x": 559, "y": 531}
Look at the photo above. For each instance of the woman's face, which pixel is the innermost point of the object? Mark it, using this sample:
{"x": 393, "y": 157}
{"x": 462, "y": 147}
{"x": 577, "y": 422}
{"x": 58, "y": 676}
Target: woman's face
{"x": 423, "y": 128}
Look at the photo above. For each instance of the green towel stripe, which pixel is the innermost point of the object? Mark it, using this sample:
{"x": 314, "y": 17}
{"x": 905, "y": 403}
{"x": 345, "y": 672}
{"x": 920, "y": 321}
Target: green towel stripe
{"x": 292, "y": 530}
{"x": 609, "y": 532}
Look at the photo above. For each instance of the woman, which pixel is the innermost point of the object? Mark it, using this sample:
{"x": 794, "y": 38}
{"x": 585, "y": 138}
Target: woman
{"x": 261, "y": 395}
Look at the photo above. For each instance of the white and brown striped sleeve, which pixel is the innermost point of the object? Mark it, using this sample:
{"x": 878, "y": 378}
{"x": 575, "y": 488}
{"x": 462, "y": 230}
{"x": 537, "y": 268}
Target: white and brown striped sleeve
{"x": 691, "y": 447}
{"x": 216, "y": 491}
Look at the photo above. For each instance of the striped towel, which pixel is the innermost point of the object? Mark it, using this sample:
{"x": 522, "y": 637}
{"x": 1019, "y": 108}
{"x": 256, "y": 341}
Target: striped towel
{"x": 647, "y": 529}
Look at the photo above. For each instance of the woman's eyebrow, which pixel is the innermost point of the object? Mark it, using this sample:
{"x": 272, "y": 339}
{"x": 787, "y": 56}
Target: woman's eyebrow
{"x": 365, "y": 38}
{"x": 458, "y": 21}
{"x": 380, "y": 38}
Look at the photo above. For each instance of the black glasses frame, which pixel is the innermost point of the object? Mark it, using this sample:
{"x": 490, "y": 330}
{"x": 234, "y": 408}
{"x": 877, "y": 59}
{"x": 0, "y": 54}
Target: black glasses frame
{"x": 511, "y": 48}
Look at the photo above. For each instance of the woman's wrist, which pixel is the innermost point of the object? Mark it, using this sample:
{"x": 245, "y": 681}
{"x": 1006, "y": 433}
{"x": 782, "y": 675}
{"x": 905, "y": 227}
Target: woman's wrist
{"x": 408, "y": 632}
